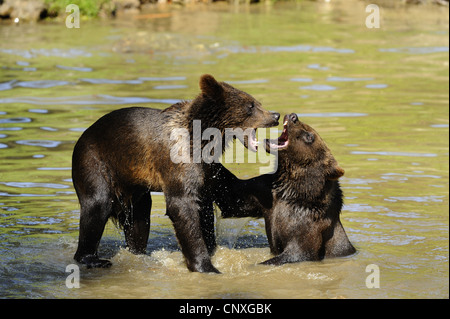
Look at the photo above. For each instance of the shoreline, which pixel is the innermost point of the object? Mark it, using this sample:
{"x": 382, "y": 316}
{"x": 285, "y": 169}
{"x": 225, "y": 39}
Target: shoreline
{"x": 17, "y": 11}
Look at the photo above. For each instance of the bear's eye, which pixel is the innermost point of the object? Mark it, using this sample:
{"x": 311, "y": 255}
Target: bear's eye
{"x": 308, "y": 137}
{"x": 250, "y": 108}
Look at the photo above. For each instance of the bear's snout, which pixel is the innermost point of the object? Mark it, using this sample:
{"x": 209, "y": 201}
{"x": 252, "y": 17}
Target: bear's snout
{"x": 276, "y": 116}
{"x": 269, "y": 119}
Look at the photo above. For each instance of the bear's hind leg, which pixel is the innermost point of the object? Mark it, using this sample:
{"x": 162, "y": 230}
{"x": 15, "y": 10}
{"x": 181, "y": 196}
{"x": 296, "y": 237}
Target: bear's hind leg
{"x": 137, "y": 225}
{"x": 93, "y": 218}
{"x": 207, "y": 226}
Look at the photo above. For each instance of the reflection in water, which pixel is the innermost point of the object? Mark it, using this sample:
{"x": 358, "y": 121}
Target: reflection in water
{"x": 384, "y": 116}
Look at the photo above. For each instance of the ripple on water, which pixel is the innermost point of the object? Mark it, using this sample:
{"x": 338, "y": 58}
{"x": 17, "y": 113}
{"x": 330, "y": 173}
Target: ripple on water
{"x": 399, "y": 176}
{"x": 376, "y": 86}
{"x": 40, "y": 111}
{"x": 318, "y": 87}
{"x": 14, "y": 120}
{"x": 317, "y": 66}
{"x": 332, "y": 114}
{"x": 109, "y": 81}
{"x": 417, "y": 199}
{"x": 166, "y": 78}
{"x": 6, "y": 194}
{"x": 41, "y": 143}
{"x": 169, "y": 87}
{"x": 34, "y": 185}
{"x": 39, "y": 84}
{"x": 31, "y": 53}
{"x": 346, "y": 79}
{"x": 85, "y": 100}
{"x": 293, "y": 48}
{"x": 74, "y": 68}
{"x": 385, "y": 153}
{"x": 43, "y": 84}
{"x": 416, "y": 50}
{"x": 257, "y": 81}
{"x": 301, "y": 80}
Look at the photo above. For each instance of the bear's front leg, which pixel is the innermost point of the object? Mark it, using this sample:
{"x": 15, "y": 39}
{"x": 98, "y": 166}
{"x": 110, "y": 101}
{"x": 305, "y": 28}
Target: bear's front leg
{"x": 184, "y": 212}
{"x": 207, "y": 225}
{"x": 296, "y": 251}
{"x": 291, "y": 256}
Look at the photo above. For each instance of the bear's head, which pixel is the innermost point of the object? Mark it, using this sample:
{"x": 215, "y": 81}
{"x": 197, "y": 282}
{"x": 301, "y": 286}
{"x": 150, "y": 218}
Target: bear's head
{"x": 230, "y": 108}
{"x": 301, "y": 146}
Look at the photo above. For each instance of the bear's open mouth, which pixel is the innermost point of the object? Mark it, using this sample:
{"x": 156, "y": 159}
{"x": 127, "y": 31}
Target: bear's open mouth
{"x": 249, "y": 139}
{"x": 280, "y": 142}
{"x": 253, "y": 142}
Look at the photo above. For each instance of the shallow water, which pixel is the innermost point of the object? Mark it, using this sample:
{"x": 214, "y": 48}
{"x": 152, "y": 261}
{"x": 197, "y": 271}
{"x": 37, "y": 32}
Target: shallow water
{"x": 379, "y": 97}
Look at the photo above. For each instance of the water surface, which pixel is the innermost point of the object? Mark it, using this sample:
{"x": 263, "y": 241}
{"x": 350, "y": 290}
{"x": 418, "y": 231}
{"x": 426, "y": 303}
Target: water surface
{"x": 379, "y": 98}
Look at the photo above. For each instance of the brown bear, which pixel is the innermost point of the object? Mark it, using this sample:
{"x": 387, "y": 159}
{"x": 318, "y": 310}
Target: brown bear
{"x": 127, "y": 153}
{"x": 301, "y": 202}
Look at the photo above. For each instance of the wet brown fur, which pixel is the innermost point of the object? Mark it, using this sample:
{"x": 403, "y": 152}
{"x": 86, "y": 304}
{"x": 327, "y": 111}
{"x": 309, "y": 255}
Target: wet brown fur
{"x": 301, "y": 202}
{"x": 125, "y": 155}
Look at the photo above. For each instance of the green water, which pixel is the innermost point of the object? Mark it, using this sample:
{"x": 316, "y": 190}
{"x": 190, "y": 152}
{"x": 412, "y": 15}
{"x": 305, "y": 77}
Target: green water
{"x": 378, "y": 97}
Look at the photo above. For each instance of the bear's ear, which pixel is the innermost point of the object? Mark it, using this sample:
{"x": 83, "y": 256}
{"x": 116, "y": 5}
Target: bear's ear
{"x": 210, "y": 87}
{"x": 335, "y": 172}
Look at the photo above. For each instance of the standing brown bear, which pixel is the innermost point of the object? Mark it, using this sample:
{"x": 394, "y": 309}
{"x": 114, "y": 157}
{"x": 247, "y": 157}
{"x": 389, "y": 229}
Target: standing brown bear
{"x": 126, "y": 154}
{"x": 301, "y": 202}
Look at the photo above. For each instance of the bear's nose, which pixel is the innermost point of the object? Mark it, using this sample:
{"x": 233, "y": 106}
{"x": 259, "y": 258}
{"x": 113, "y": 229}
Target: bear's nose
{"x": 293, "y": 117}
{"x": 276, "y": 116}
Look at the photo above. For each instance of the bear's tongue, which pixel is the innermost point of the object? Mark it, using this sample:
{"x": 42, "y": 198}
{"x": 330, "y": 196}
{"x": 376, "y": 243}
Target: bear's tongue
{"x": 281, "y": 141}
{"x": 252, "y": 141}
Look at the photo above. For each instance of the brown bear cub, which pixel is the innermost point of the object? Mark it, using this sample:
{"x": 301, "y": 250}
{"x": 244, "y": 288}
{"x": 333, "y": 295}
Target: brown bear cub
{"x": 127, "y": 153}
{"x": 300, "y": 202}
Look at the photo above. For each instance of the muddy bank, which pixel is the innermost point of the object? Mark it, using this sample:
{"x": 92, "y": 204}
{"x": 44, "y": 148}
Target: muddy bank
{"x": 35, "y": 10}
